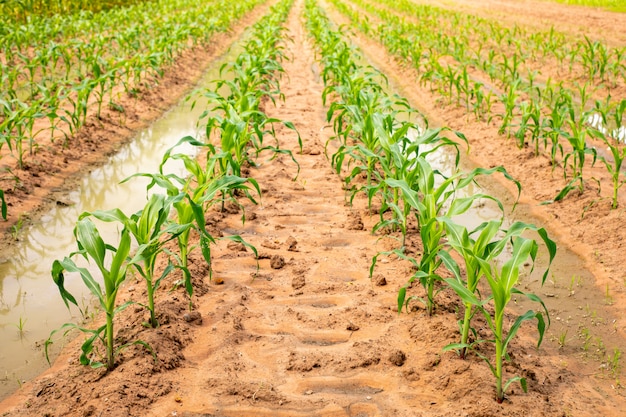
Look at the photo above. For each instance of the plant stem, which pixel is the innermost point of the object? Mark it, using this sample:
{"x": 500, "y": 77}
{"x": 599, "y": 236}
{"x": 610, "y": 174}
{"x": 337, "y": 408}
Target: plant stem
{"x": 466, "y": 326}
{"x": 153, "y": 320}
{"x": 499, "y": 345}
{"x": 110, "y": 340}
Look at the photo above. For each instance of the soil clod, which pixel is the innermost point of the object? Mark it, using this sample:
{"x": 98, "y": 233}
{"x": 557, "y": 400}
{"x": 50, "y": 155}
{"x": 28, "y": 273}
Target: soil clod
{"x": 193, "y": 317}
{"x": 236, "y": 246}
{"x": 292, "y": 244}
{"x": 298, "y": 282}
{"x": 397, "y": 357}
{"x": 352, "y": 327}
{"x": 380, "y": 280}
{"x": 277, "y": 262}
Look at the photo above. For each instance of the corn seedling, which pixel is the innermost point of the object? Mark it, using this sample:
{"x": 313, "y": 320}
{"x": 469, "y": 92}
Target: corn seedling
{"x": 502, "y": 282}
{"x": 17, "y": 228}
{"x": 151, "y": 229}
{"x": 397, "y": 161}
{"x": 562, "y": 339}
{"x": 192, "y": 195}
{"x": 94, "y": 249}
{"x": 490, "y": 241}
{"x": 509, "y": 100}
{"x": 553, "y": 128}
{"x": 21, "y": 326}
{"x": 614, "y": 164}
{"x": 614, "y": 362}
{"x": 432, "y": 198}
{"x": 577, "y": 139}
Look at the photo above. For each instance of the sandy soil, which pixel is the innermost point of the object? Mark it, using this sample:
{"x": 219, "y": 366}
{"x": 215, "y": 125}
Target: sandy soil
{"x": 541, "y": 14}
{"x": 309, "y": 334}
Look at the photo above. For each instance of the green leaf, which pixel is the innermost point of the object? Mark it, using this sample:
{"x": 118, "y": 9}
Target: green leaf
{"x": 59, "y": 280}
{"x": 3, "y": 205}
{"x": 88, "y": 280}
{"x": 401, "y": 298}
{"x": 465, "y": 294}
{"x": 529, "y": 315}
{"x": 89, "y": 240}
{"x": 522, "y": 382}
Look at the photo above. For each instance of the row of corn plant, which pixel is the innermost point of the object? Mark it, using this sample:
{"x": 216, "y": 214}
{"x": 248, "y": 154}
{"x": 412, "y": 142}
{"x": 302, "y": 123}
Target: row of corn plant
{"x": 186, "y": 197}
{"x": 237, "y": 117}
{"x": 20, "y": 10}
{"x": 58, "y": 68}
{"x": 524, "y": 48}
{"x": 544, "y": 115}
{"x": 395, "y": 155}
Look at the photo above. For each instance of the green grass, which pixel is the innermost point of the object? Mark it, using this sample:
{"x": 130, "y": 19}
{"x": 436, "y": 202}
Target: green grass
{"x": 612, "y": 5}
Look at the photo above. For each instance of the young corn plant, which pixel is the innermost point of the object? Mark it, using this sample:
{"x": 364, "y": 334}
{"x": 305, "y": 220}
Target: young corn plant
{"x": 397, "y": 161}
{"x": 613, "y": 165}
{"x": 553, "y": 128}
{"x": 357, "y": 121}
{"x": 92, "y": 247}
{"x": 151, "y": 229}
{"x": 530, "y": 121}
{"x": 240, "y": 132}
{"x": 432, "y": 198}
{"x": 502, "y": 282}
{"x": 509, "y": 99}
{"x": 576, "y": 137}
{"x": 485, "y": 243}
{"x": 192, "y": 196}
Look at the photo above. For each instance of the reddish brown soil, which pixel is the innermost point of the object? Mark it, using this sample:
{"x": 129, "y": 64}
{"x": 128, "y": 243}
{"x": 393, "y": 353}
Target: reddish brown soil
{"x": 309, "y": 334}
{"x": 541, "y": 14}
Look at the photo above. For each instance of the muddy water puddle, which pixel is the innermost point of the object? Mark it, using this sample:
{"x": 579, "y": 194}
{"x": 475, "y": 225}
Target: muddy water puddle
{"x": 30, "y": 305}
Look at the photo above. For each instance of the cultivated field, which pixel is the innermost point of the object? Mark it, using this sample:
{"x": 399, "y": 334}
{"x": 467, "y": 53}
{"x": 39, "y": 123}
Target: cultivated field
{"x": 392, "y": 208}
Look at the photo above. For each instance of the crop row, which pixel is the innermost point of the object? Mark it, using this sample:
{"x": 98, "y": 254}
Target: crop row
{"x": 22, "y": 10}
{"x": 564, "y": 122}
{"x": 54, "y": 70}
{"x": 57, "y": 69}
{"x": 236, "y": 126}
{"x": 382, "y": 153}
{"x": 584, "y": 58}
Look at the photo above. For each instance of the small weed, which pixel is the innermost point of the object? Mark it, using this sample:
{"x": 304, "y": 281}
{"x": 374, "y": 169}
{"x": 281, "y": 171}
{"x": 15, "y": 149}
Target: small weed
{"x": 21, "y": 326}
{"x": 608, "y": 299}
{"x": 614, "y": 364}
{"x": 562, "y": 339}
{"x": 585, "y": 334}
{"x": 17, "y": 228}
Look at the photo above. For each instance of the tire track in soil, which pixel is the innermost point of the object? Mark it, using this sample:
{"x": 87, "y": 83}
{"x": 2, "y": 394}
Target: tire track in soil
{"x": 311, "y": 335}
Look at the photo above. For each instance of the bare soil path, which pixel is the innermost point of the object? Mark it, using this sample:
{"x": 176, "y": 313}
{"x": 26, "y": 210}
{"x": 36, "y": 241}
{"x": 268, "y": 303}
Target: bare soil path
{"x": 310, "y": 334}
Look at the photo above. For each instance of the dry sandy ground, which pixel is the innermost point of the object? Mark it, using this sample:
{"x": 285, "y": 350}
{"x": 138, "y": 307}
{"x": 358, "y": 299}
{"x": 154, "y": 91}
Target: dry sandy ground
{"x": 595, "y": 23}
{"x": 310, "y": 334}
